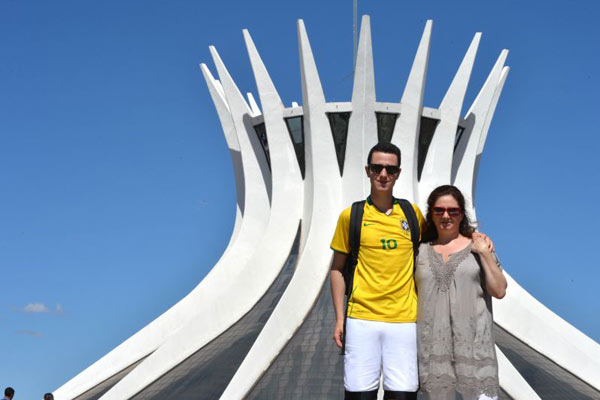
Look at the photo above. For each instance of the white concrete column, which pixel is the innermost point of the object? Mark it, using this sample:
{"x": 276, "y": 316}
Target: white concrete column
{"x": 313, "y": 264}
{"x": 362, "y": 129}
{"x": 530, "y": 321}
{"x": 149, "y": 338}
{"x": 465, "y": 160}
{"x": 248, "y": 279}
{"x": 438, "y": 162}
{"x": 511, "y": 380}
{"x": 406, "y": 132}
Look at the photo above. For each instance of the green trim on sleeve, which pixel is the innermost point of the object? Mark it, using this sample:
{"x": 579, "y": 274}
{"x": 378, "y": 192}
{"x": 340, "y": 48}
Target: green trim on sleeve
{"x": 339, "y": 251}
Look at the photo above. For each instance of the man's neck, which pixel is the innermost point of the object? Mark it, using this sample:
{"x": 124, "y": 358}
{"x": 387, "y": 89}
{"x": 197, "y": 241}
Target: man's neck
{"x": 384, "y": 201}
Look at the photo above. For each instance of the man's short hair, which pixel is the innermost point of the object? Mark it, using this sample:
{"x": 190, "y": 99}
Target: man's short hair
{"x": 384, "y": 147}
{"x": 48, "y": 396}
{"x": 9, "y": 392}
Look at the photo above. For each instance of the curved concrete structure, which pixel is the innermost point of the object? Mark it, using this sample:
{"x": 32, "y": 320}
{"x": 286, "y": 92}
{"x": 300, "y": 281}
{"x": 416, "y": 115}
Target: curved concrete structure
{"x": 313, "y": 265}
{"x": 547, "y": 333}
{"x": 406, "y": 131}
{"x": 253, "y": 204}
{"x": 300, "y": 166}
{"x": 242, "y": 286}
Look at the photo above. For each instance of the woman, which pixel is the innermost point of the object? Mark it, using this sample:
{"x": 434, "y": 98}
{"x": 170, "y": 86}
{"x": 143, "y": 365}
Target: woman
{"x": 456, "y": 274}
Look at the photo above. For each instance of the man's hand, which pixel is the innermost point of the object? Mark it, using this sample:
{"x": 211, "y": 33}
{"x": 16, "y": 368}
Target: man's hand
{"x": 488, "y": 241}
{"x": 338, "y": 332}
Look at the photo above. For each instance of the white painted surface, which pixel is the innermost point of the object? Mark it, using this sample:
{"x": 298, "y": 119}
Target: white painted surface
{"x": 313, "y": 264}
{"x": 530, "y": 321}
{"x": 362, "y": 127}
{"x": 511, "y": 381}
{"x": 406, "y": 133}
{"x": 152, "y": 335}
{"x": 253, "y": 105}
{"x": 438, "y": 163}
{"x": 249, "y": 278}
{"x": 465, "y": 163}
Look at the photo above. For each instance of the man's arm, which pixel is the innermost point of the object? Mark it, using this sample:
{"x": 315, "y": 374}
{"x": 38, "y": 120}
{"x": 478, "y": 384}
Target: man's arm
{"x": 338, "y": 290}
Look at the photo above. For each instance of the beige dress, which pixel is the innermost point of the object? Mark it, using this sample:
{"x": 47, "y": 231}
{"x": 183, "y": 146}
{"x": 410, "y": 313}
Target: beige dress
{"x": 454, "y": 328}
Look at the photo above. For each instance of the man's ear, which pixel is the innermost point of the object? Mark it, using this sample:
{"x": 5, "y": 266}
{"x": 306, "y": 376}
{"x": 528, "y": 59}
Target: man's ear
{"x": 367, "y": 171}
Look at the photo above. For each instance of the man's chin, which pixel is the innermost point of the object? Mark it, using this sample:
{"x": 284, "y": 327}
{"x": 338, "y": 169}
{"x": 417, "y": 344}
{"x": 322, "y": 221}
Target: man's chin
{"x": 383, "y": 188}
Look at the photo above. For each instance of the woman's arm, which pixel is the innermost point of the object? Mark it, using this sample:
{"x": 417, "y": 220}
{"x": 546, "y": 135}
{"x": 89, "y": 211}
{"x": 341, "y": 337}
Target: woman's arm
{"x": 338, "y": 290}
{"x": 495, "y": 282}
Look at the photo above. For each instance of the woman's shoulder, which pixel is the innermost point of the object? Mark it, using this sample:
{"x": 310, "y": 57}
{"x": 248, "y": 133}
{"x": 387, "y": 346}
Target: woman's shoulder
{"x": 424, "y": 249}
{"x": 423, "y": 246}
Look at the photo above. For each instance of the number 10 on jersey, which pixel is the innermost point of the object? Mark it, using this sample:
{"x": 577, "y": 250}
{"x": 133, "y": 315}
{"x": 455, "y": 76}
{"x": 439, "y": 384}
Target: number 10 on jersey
{"x": 388, "y": 244}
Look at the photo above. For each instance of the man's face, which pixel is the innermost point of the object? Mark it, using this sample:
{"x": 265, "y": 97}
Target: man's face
{"x": 381, "y": 178}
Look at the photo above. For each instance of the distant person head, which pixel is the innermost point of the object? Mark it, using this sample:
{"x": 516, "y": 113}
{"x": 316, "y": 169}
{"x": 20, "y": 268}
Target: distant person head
{"x": 9, "y": 393}
{"x": 383, "y": 166}
{"x": 48, "y": 396}
{"x": 446, "y": 210}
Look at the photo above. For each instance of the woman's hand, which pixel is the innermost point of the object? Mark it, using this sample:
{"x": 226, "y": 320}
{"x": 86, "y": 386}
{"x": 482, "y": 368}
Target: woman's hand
{"x": 488, "y": 241}
{"x": 481, "y": 246}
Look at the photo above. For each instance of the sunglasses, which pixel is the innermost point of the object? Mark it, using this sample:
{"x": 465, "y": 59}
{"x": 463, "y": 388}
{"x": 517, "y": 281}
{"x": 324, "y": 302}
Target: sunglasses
{"x": 452, "y": 211}
{"x": 390, "y": 169}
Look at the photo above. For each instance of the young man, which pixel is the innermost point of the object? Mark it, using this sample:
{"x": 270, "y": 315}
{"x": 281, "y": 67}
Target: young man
{"x": 382, "y": 309}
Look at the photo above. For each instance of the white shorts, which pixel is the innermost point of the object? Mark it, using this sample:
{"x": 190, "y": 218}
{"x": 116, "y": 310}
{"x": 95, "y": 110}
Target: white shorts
{"x": 375, "y": 348}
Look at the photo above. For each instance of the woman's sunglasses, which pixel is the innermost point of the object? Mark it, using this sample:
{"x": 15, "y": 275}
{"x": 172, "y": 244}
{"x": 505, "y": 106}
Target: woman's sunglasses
{"x": 390, "y": 169}
{"x": 452, "y": 211}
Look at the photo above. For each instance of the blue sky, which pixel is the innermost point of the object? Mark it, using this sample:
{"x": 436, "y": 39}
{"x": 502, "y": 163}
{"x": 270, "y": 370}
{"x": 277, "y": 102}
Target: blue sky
{"x": 117, "y": 191}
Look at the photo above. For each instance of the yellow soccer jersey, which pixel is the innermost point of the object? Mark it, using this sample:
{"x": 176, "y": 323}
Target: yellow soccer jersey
{"x": 384, "y": 288}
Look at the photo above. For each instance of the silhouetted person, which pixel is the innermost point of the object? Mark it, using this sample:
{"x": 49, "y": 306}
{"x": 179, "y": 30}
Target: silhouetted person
{"x": 48, "y": 396}
{"x": 9, "y": 393}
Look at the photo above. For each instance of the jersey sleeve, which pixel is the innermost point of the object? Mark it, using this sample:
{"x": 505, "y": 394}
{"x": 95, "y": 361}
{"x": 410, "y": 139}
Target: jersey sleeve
{"x": 421, "y": 220}
{"x": 341, "y": 239}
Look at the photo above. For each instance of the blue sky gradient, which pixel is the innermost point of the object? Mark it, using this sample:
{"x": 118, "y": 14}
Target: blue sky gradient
{"x": 117, "y": 187}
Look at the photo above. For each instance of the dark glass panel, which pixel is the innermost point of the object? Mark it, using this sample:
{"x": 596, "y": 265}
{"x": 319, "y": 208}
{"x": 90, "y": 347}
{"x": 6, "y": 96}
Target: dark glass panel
{"x": 459, "y": 132}
{"x": 310, "y": 365}
{"x": 100, "y": 389}
{"x": 385, "y": 126}
{"x": 205, "y": 374}
{"x": 426, "y": 131}
{"x": 295, "y": 127}
{"x": 549, "y": 380}
{"x": 261, "y": 132}
{"x": 339, "y": 129}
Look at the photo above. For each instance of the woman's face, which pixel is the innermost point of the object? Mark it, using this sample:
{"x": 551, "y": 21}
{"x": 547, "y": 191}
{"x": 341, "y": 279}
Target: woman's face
{"x": 446, "y": 215}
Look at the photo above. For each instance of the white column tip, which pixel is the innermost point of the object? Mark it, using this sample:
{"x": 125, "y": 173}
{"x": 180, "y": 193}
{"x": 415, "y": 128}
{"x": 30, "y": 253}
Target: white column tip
{"x": 300, "y": 25}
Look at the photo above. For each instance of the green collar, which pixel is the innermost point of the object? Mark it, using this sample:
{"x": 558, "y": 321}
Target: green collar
{"x": 371, "y": 202}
